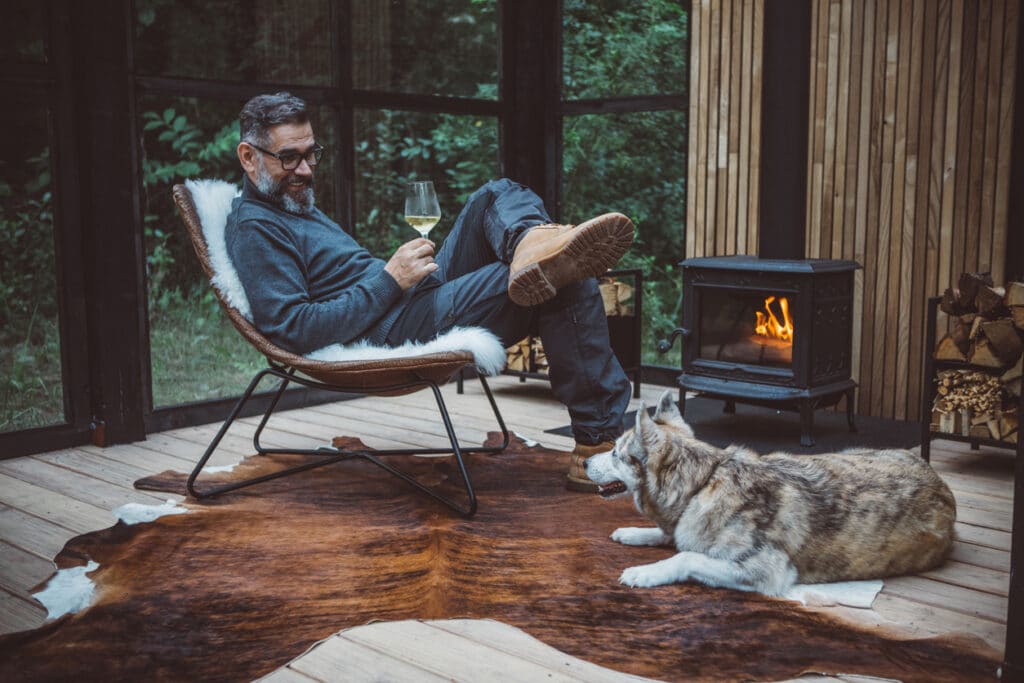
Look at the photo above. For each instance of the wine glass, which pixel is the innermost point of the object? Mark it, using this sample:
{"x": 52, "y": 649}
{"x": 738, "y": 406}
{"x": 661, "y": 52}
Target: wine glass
{"x": 422, "y": 211}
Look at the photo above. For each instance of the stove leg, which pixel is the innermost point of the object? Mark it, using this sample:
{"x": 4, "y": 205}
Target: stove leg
{"x": 806, "y": 423}
{"x": 682, "y": 402}
{"x": 849, "y": 409}
{"x": 730, "y": 407}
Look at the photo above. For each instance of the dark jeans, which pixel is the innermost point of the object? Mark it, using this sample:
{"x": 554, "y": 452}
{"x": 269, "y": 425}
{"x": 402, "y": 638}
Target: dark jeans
{"x": 470, "y": 288}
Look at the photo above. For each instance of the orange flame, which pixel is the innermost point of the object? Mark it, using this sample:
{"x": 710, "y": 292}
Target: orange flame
{"x": 769, "y": 326}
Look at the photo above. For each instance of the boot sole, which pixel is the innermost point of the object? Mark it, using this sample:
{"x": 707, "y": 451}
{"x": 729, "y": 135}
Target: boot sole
{"x": 590, "y": 253}
{"x": 580, "y": 485}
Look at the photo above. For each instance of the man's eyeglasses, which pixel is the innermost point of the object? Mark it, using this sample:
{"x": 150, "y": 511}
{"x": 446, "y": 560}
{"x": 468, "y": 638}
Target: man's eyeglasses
{"x": 291, "y": 160}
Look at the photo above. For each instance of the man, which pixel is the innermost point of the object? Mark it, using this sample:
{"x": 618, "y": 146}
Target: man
{"x": 504, "y": 266}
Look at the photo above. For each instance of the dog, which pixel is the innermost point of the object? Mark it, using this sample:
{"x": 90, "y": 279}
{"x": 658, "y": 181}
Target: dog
{"x": 765, "y": 522}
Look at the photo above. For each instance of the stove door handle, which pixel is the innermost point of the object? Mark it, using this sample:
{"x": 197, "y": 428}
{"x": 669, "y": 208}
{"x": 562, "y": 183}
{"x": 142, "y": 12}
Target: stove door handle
{"x": 665, "y": 344}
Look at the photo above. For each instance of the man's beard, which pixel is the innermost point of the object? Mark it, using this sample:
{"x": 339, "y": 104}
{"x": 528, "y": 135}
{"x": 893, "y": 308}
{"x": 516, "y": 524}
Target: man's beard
{"x": 278, "y": 194}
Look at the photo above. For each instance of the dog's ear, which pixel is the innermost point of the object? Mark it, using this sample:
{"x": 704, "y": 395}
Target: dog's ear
{"x": 668, "y": 413}
{"x": 646, "y": 429}
{"x": 633, "y": 445}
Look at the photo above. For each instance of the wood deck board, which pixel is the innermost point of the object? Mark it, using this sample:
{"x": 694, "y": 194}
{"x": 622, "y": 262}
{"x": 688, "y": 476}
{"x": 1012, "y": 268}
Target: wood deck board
{"x": 47, "y": 499}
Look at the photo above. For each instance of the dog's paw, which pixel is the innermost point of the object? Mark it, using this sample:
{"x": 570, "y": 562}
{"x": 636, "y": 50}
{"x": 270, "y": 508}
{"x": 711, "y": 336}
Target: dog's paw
{"x": 643, "y": 576}
{"x": 631, "y": 535}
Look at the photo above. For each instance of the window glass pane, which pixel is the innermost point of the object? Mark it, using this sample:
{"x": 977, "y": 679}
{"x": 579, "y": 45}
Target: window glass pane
{"x": 458, "y": 153}
{"x": 616, "y": 48}
{"x": 195, "y": 352}
{"x": 23, "y": 31}
{"x": 238, "y": 40}
{"x": 428, "y": 48}
{"x": 31, "y": 389}
{"x": 636, "y": 164}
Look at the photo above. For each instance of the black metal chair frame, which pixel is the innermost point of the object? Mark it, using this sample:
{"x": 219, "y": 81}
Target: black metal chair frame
{"x": 327, "y": 455}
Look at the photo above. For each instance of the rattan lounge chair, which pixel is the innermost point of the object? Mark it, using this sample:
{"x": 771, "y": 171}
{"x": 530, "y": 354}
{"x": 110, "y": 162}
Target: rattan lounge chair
{"x": 389, "y": 376}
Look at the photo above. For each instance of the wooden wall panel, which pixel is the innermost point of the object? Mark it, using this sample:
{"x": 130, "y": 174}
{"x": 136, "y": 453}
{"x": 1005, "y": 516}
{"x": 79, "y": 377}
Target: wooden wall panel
{"x": 911, "y": 110}
{"x": 725, "y": 118}
{"x": 930, "y": 196}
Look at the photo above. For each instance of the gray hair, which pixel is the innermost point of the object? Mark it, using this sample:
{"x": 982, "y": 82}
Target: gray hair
{"x": 263, "y": 112}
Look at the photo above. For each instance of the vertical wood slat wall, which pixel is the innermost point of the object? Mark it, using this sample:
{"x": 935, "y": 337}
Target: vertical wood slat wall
{"x": 725, "y": 127}
{"x": 911, "y": 109}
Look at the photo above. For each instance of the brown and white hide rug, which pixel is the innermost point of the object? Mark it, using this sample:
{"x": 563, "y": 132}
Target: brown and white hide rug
{"x": 243, "y": 584}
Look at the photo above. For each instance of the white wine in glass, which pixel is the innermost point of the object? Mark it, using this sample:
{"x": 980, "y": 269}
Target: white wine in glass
{"x": 422, "y": 211}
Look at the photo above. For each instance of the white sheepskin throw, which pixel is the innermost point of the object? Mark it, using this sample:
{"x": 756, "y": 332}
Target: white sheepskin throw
{"x": 213, "y": 199}
{"x": 213, "y": 204}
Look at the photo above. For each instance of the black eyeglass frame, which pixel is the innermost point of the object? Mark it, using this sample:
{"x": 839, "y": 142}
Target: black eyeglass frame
{"x": 312, "y": 156}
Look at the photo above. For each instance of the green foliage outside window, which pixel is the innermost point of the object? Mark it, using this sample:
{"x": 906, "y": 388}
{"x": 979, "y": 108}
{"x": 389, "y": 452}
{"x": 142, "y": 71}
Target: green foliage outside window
{"x": 458, "y": 153}
{"x": 195, "y": 352}
{"x": 633, "y": 163}
{"x": 31, "y": 392}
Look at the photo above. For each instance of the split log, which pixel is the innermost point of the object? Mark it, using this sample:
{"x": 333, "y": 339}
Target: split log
{"x": 1015, "y": 294}
{"x": 948, "y": 349}
{"x": 984, "y": 355}
{"x": 979, "y": 432}
{"x": 951, "y": 303}
{"x": 961, "y": 333}
{"x": 969, "y": 285}
{"x": 975, "y": 327}
{"x": 989, "y": 302}
{"x": 1013, "y": 387}
{"x": 1009, "y": 427}
{"x": 1003, "y": 339}
{"x": 994, "y": 427}
{"x": 617, "y": 297}
{"x": 1017, "y": 315}
{"x": 1014, "y": 372}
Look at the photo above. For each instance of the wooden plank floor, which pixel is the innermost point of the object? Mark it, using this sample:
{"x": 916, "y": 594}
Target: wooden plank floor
{"x": 49, "y": 498}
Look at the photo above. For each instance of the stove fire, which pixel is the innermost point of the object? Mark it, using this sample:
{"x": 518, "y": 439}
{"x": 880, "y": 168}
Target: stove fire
{"x": 768, "y": 324}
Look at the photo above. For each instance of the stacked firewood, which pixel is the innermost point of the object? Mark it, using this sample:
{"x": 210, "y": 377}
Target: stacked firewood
{"x": 617, "y": 295}
{"x": 618, "y": 300}
{"x": 987, "y": 331}
{"x": 519, "y": 356}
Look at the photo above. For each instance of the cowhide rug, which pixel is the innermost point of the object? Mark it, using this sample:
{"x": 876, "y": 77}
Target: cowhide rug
{"x": 247, "y": 582}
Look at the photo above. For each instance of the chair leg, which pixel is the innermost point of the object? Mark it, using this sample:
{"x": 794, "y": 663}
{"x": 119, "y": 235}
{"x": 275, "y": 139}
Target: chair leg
{"x": 270, "y": 409}
{"x": 327, "y": 454}
{"x": 190, "y": 485}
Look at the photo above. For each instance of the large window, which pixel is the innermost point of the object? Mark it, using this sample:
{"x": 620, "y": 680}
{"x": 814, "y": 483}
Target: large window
{"x": 235, "y": 40}
{"x": 107, "y": 325}
{"x": 424, "y": 55}
{"x": 458, "y": 153}
{"x": 632, "y": 55}
{"x": 447, "y": 48}
{"x": 31, "y": 394}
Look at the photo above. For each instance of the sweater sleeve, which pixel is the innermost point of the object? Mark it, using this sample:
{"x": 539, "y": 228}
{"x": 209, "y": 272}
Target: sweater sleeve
{"x": 275, "y": 273}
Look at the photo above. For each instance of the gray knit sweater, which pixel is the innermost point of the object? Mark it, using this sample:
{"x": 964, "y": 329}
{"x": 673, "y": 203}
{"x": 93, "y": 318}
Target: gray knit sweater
{"x": 309, "y": 283}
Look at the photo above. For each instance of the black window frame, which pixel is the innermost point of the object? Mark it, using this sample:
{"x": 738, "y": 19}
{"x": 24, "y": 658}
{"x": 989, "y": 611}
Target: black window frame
{"x": 49, "y": 84}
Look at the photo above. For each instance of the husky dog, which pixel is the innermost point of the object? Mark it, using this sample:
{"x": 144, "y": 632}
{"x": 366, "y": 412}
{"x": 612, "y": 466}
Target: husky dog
{"x": 762, "y": 523}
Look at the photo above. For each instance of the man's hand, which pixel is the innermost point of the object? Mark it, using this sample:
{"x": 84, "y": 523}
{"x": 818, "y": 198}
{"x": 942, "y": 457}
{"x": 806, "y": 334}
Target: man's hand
{"x": 412, "y": 262}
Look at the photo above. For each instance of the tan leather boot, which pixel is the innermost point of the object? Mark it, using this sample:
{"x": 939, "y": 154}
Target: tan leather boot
{"x": 550, "y": 257}
{"x": 577, "y": 479}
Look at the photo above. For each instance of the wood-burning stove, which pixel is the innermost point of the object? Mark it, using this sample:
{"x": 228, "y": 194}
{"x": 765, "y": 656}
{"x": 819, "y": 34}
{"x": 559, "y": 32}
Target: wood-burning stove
{"x": 774, "y": 332}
